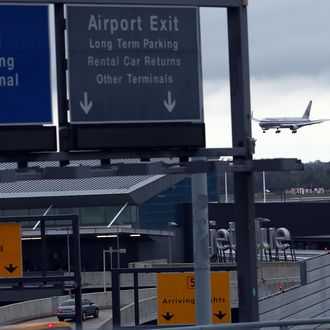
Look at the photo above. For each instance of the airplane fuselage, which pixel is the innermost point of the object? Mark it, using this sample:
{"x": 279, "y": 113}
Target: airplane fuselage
{"x": 285, "y": 122}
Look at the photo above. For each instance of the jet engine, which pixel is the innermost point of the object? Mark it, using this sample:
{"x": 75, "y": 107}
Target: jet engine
{"x": 294, "y": 128}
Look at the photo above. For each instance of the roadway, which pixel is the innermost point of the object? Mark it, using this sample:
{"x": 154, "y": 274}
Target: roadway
{"x": 89, "y": 324}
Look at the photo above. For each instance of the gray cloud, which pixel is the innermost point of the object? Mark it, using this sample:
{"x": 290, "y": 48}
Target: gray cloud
{"x": 214, "y": 43}
{"x": 286, "y": 37}
{"x": 289, "y": 37}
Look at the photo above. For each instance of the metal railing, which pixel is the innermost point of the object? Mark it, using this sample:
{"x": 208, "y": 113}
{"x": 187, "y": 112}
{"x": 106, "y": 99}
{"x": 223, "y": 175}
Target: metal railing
{"x": 282, "y": 325}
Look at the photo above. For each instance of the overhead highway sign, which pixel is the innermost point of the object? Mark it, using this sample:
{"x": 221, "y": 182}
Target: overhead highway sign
{"x": 133, "y": 64}
{"x": 25, "y": 83}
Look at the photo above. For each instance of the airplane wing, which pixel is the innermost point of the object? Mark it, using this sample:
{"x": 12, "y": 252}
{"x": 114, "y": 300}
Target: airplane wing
{"x": 312, "y": 122}
{"x": 255, "y": 119}
{"x": 317, "y": 121}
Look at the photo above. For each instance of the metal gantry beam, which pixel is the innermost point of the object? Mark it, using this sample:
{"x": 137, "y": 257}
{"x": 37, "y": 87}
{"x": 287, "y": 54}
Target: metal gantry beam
{"x": 210, "y": 153}
{"x": 201, "y": 3}
{"x": 149, "y": 168}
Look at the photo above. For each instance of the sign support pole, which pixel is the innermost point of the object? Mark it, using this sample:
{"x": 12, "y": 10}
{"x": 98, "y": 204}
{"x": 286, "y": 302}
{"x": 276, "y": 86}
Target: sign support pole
{"x": 61, "y": 67}
{"x": 201, "y": 249}
{"x": 243, "y": 182}
{"x": 77, "y": 272}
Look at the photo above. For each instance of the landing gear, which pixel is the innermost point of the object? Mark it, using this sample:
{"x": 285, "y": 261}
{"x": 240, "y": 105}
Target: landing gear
{"x": 263, "y": 131}
{"x": 294, "y": 132}
{"x": 277, "y": 131}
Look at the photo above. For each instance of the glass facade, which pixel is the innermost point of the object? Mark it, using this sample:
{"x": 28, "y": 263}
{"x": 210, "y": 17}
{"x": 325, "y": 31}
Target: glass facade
{"x": 166, "y": 207}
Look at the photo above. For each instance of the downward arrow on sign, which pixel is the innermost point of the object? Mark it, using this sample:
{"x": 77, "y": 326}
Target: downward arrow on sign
{"x": 220, "y": 315}
{"x": 169, "y": 104}
{"x": 86, "y": 106}
{"x": 11, "y": 268}
{"x": 167, "y": 316}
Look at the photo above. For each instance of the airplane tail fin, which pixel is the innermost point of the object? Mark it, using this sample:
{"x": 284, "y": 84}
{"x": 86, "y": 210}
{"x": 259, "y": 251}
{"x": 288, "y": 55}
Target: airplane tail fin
{"x": 308, "y": 110}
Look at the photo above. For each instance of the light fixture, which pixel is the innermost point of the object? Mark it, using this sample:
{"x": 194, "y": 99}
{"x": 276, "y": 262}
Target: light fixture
{"x": 30, "y": 238}
{"x": 135, "y": 235}
{"x": 106, "y": 236}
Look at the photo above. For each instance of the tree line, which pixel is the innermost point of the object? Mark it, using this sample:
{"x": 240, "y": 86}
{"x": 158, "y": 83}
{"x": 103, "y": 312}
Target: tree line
{"x": 315, "y": 175}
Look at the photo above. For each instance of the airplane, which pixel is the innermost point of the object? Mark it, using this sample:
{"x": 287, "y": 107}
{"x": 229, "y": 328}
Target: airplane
{"x": 294, "y": 123}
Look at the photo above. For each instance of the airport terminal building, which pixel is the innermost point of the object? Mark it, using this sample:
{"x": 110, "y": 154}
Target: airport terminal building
{"x": 125, "y": 212}
{"x": 140, "y": 214}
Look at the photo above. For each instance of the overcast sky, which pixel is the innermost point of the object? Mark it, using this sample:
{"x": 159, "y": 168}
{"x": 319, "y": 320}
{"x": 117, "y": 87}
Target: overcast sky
{"x": 289, "y": 49}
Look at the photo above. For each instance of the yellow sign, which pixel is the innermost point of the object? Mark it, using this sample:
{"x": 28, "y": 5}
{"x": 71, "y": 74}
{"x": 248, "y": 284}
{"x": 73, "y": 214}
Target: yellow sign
{"x": 10, "y": 250}
{"x": 176, "y": 298}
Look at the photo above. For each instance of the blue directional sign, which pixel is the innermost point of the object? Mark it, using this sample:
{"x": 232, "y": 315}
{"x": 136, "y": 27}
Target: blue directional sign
{"x": 25, "y": 84}
{"x": 134, "y": 64}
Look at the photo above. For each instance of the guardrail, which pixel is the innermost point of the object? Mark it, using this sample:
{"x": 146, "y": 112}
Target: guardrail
{"x": 282, "y": 325}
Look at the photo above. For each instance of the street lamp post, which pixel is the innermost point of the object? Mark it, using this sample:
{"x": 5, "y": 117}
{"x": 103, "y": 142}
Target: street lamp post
{"x": 110, "y": 251}
{"x": 118, "y": 253}
{"x": 226, "y": 188}
{"x": 226, "y": 179}
{"x": 170, "y": 224}
{"x": 68, "y": 250}
{"x": 104, "y": 279}
{"x": 264, "y": 185}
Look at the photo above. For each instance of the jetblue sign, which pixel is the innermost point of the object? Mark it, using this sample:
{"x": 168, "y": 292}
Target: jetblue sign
{"x": 267, "y": 239}
{"x": 25, "y": 86}
{"x": 134, "y": 64}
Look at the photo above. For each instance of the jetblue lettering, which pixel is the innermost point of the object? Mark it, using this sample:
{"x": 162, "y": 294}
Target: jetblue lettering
{"x": 266, "y": 239}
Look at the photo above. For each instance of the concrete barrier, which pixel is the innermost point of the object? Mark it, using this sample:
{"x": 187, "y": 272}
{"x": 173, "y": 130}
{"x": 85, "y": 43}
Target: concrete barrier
{"x": 34, "y": 309}
{"x": 28, "y": 310}
{"x": 96, "y": 280}
{"x": 147, "y": 312}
